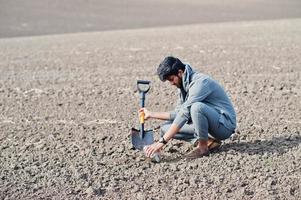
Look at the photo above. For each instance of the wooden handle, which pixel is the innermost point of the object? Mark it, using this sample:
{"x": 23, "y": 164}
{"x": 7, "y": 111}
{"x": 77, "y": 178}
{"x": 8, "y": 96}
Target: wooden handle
{"x": 142, "y": 115}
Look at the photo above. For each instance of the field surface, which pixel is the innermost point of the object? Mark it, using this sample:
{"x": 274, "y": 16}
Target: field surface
{"x": 36, "y": 17}
{"x": 69, "y": 101}
{"x": 68, "y": 97}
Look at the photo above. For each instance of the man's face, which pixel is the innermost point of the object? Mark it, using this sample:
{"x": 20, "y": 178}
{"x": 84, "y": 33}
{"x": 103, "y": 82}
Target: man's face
{"x": 175, "y": 80}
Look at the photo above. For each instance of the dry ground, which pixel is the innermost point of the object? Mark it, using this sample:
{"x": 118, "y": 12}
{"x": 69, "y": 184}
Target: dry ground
{"x": 36, "y": 17}
{"x": 68, "y": 102}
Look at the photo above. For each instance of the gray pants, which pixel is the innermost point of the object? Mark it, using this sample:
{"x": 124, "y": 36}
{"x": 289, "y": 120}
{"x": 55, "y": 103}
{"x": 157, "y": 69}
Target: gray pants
{"x": 205, "y": 119}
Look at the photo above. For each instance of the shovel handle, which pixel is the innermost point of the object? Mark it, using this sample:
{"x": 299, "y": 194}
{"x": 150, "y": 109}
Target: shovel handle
{"x": 142, "y": 115}
{"x": 143, "y": 82}
{"x": 143, "y": 86}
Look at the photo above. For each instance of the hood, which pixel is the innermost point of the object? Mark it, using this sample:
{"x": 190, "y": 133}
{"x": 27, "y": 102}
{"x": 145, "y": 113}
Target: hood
{"x": 186, "y": 79}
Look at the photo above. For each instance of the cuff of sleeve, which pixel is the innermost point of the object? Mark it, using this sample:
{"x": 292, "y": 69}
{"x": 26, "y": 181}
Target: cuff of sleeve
{"x": 172, "y": 115}
{"x": 179, "y": 121}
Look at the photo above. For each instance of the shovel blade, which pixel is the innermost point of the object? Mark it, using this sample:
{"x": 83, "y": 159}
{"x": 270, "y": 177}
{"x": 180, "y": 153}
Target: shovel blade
{"x": 138, "y": 142}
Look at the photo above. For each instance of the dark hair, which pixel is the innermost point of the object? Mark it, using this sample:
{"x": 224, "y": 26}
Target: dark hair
{"x": 169, "y": 66}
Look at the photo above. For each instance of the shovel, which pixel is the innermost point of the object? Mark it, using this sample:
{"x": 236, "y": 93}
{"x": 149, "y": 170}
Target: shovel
{"x": 141, "y": 138}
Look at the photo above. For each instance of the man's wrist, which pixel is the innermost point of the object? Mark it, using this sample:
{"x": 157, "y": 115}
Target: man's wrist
{"x": 162, "y": 140}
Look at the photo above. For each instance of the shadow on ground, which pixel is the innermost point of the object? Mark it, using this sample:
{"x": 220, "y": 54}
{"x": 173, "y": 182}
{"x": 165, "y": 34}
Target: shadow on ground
{"x": 277, "y": 145}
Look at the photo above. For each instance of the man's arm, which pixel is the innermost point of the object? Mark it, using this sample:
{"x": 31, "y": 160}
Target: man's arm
{"x": 155, "y": 115}
{"x": 157, "y": 146}
{"x": 160, "y": 115}
{"x": 173, "y": 129}
{"x": 198, "y": 91}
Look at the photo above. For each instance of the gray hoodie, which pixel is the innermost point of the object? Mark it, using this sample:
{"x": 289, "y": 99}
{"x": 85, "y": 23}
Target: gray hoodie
{"x": 198, "y": 87}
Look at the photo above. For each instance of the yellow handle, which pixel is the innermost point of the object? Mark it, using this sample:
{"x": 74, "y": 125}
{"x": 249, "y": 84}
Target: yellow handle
{"x": 142, "y": 115}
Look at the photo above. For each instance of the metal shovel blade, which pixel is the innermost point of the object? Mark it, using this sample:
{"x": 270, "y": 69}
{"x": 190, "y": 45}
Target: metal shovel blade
{"x": 138, "y": 142}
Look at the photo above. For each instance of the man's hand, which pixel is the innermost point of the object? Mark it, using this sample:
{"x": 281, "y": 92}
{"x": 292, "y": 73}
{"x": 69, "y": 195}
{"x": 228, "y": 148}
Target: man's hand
{"x": 151, "y": 149}
{"x": 147, "y": 114}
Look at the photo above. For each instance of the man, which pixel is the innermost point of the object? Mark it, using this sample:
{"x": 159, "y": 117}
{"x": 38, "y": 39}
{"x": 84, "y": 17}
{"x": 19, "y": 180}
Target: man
{"x": 203, "y": 108}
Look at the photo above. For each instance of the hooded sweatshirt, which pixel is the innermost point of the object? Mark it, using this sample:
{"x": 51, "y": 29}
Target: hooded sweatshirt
{"x": 198, "y": 87}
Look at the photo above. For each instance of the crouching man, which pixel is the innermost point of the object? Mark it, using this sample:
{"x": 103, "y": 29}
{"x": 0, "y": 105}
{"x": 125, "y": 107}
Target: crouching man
{"x": 203, "y": 108}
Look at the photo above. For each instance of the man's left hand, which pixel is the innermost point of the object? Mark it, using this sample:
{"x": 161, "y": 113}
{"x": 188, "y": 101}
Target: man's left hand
{"x": 151, "y": 149}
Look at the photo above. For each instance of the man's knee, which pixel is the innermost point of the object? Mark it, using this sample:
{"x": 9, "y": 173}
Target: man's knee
{"x": 198, "y": 108}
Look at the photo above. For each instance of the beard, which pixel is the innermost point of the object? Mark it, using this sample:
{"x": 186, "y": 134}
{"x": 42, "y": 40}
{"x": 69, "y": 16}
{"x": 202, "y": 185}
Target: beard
{"x": 179, "y": 83}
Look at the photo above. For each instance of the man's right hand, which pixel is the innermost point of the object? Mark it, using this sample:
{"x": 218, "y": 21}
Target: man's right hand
{"x": 147, "y": 114}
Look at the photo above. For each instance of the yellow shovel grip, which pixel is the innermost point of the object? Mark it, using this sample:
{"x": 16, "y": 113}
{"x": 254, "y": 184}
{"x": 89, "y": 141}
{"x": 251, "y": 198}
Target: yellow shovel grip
{"x": 142, "y": 115}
